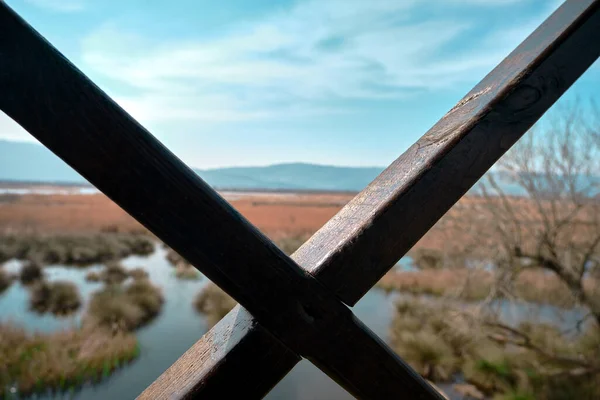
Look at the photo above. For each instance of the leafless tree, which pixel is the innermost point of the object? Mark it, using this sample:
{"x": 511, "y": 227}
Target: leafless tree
{"x": 556, "y": 225}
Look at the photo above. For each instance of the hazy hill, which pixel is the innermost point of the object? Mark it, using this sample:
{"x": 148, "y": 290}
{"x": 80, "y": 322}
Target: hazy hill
{"x": 31, "y": 162}
{"x": 291, "y": 176}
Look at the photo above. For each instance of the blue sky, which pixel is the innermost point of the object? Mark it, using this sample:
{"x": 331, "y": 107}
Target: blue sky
{"x": 240, "y": 82}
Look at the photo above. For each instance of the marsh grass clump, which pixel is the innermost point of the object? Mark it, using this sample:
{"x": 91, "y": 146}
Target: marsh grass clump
{"x": 31, "y": 272}
{"x": 459, "y": 283}
{"x": 475, "y": 285}
{"x": 113, "y": 273}
{"x": 429, "y": 339}
{"x": 214, "y": 303}
{"x": 187, "y": 273}
{"x": 183, "y": 269}
{"x": 524, "y": 372}
{"x": 491, "y": 370}
{"x": 174, "y": 258}
{"x": 77, "y": 250}
{"x": 145, "y": 296}
{"x": 93, "y": 276}
{"x": 5, "y": 280}
{"x": 425, "y": 258}
{"x": 138, "y": 273}
{"x": 60, "y": 298}
{"x": 126, "y": 307}
{"x": 138, "y": 244}
{"x": 432, "y": 357}
{"x": 60, "y": 361}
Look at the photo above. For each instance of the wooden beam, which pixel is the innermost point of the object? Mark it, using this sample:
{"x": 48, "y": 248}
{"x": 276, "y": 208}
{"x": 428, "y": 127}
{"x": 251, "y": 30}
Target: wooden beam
{"x": 206, "y": 370}
{"x": 373, "y": 231}
{"x": 57, "y": 104}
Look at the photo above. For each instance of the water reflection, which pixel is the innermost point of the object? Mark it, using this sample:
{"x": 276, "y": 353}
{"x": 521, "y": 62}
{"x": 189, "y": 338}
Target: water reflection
{"x": 179, "y": 326}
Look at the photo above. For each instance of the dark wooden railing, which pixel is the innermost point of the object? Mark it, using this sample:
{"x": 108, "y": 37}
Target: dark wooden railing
{"x": 290, "y": 307}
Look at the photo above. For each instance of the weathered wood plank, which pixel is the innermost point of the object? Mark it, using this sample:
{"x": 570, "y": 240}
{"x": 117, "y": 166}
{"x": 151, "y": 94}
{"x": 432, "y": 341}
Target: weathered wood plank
{"x": 205, "y": 370}
{"x": 497, "y": 120}
{"x": 66, "y": 112}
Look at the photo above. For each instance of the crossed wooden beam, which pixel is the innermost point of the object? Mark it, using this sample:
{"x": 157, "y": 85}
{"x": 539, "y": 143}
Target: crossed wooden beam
{"x": 290, "y": 307}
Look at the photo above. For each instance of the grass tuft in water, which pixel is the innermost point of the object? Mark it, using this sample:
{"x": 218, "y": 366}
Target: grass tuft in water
{"x": 187, "y": 272}
{"x": 113, "y": 273}
{"x": 5, "y": 280}
{"x": 214, "y": 303}
{"x": 124, "y": 308}
{"x": 59, "y": 361}
{"x": 60, "y": 298}
{"x": 138, "y": 273}
{"x": 74, "y": 249}
{"x": 31, "y": 272}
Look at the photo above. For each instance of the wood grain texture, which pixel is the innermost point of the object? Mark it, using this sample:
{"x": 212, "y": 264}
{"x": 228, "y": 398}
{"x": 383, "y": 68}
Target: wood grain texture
{"x": 208, "y": 369}
{"x": 370, "y": 234}
{"x": 56, "y": 103}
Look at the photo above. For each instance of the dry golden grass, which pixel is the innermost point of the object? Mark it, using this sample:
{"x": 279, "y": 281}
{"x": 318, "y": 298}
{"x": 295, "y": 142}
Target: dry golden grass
{"x": 214, "y": 303}
{"x": 65, "y": 213}
{"x": 439, "y": 342}
{"x": 30, "y": 273}
{"x": 278, "y": 216}
{"x": 5, "y": 280}
{"x": 461, "y": 283}
{"x": 113, "y": 273}
{"x": 73, "y": 249}
{"x": 430, "y": 340}
{"x": 187, "y": 273}
{"x": 138, "y": 273}
{"x": 533, "y": 286}
{"x": 60, "y": 361}
{"x": 93, "y": 276}
{"x": 127, "y": 307}
{"x": 60, "y": 298}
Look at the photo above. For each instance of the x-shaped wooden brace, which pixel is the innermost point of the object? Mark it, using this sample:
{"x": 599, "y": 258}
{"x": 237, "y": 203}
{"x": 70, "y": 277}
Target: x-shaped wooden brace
{"x": 296, "y": 307}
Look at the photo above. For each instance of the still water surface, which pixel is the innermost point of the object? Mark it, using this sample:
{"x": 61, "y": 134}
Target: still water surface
{"x": 179, "y": 326}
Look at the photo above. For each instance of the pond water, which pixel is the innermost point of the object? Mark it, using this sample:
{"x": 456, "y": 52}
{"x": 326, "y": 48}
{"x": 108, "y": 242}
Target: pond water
{"x": 179, "y": 326}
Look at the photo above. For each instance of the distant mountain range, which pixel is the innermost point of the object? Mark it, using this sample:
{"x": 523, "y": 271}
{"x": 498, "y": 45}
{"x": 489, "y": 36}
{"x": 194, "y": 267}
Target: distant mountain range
{"x": 296, "y": 176}
{"x": 31, "y": 162}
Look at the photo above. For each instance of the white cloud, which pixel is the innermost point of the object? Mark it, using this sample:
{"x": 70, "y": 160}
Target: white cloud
{"x": 66, "y": 6}
{"x": 294, "y": 62}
